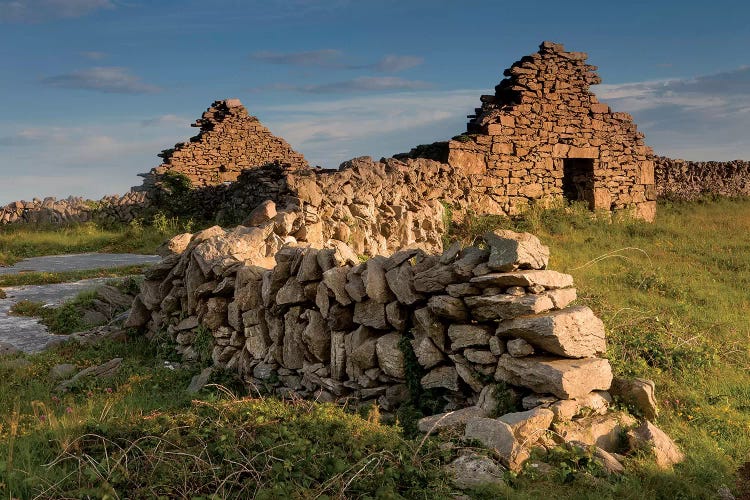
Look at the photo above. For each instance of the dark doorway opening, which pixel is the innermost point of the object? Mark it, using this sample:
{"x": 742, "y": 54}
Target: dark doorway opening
{"x": 578, "y": 180}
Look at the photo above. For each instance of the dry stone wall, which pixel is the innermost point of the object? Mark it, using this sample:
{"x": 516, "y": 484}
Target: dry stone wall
{"x": 377, "y": 207}
{"x": 317, "y": 322}
{"x": 229, "y": 142}
{"x": 73, "y": 210}
{"x": 689, "y": 180}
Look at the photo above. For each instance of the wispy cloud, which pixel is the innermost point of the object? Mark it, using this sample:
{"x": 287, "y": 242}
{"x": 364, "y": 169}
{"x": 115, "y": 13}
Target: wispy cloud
{"x": 325, "y": 58}
{"x": 703, "y": 117}
{"x": 329, "y": 132}
{"x": 34, "y": 11}
{"x": 336, "y": 59}
{"x": 102, "y": 158}
{"x": 94, "y": 55}
{"x": 108, "y": 79}
{"x": 361, "y": 84}
{"x": 395, "y": 64}
{"x": 164, "y": 120}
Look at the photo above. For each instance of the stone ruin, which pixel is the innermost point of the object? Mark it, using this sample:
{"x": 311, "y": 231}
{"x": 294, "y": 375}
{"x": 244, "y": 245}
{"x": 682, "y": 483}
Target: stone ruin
{"x": 229, "y": 142}
{"x": 542, "y": 135}
{"x": 299, "y": 321}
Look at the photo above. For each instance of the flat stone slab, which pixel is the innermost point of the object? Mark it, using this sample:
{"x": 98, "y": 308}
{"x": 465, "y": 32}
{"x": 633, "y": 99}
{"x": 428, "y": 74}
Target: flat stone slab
{"x": 28, "y": 334}
{"x": 78, "y": 262}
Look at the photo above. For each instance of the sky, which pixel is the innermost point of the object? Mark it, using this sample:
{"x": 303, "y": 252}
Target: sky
{"x": 92, "y": 90}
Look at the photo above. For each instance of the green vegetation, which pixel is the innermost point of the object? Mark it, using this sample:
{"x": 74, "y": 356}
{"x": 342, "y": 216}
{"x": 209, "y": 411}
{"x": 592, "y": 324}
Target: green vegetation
{"x": 64, "y": 319}
{"x": 22, "y": 241}
{"x": 139, "y": 435}
{"x": 44, "y": 278}
{"x": 673, "y": 295}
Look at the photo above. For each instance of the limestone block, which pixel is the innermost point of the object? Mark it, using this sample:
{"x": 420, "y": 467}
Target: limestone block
{"x": 503, "y": 306}
{"x": 510, "y": 250}
{"x": 653, "y": 439}
{"x": 565, "y": 378}
{"x": 546, "y": 278}
{"x": 574, "y": 332}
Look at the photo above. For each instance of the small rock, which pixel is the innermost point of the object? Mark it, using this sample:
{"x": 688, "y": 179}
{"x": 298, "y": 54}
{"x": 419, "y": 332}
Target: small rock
{"x": 200, "y": 380}
{"x": 650, "y": 437}
{"x": 510, "y": 250}
{"x": 7, "y": 349}
{"x": 472, "y": 471}
{"x": 518, "y": 348}
{"x": 498, "y": 436}
{"x": 462, "y": 336}
{"x": 638, "y": 392}
{"x": 528, "y": 426}
{"x": 435, "y": 423}
{"x": 61, "y": 371}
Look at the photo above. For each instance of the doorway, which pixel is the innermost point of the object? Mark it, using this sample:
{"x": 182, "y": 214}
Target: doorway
{"x": 578, "y": 180}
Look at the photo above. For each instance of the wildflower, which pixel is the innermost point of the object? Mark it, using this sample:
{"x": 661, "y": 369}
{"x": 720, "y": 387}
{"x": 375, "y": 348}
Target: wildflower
{"x": 55, "y": 399}
{"x": 68, "y": 410}
{"x": 109, "y": 390}
{"x": 42, "y": 417}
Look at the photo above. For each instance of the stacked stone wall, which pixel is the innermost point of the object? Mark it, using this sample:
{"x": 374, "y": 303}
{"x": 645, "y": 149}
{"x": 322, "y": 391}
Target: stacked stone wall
{"x": 75, "y": 210}
{"x": 690, "y": 180}
{"x": 320, "y": 323}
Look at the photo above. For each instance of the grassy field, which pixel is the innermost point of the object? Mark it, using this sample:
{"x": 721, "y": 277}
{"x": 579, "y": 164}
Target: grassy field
{"x": 673, "y": 295}
{"x": 22, "y": 241}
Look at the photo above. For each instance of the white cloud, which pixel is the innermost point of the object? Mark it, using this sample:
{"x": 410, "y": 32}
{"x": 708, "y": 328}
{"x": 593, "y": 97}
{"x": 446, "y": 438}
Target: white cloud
{"x": 88, "y": 160}
{"x": 699, "y": 118}
{"x": 33, "y": 11}
{"x": 329, "y": 132}
{"x": 107, "y": 79}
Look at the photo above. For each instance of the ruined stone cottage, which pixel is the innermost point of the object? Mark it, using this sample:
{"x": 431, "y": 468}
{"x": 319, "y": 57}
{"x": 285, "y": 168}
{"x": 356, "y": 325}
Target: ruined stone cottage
{"x": 544, "y": 134}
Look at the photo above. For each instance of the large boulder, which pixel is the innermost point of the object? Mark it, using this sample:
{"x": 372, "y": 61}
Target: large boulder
{"x": 510, "y": 250}
{"x": 574, "y": 332}
{"x": 565, "y": 378}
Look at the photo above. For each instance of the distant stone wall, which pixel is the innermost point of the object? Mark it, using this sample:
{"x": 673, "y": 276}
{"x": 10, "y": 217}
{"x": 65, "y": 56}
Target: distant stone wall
{"x": 230, "y": 141}
{"x": 689, "y": 180}
{"x": 75, "y": 210}
{"x": 318, "y": 323}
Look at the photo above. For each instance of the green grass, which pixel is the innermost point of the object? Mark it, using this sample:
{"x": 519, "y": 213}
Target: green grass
{"x": 44, "y": 278}
{"x": 22, "y": 241}
{"x": 64, "y": 319}
{"x": 673, "y": 295}
{"x": 139, "y": 435}
{"x": 674, "y": 298}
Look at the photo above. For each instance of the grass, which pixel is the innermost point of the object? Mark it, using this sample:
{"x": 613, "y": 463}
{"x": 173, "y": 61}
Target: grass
{"x": 64, "y": 319}
{"x": 45, "y": 278}
{"x": 22, "y": 241}
{"x": 139, "y": 435}
{"x": 673, "y": 295}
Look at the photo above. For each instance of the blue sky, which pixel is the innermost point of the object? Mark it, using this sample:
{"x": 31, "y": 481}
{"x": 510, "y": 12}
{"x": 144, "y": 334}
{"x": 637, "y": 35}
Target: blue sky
{"x": 92, "y": 90}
